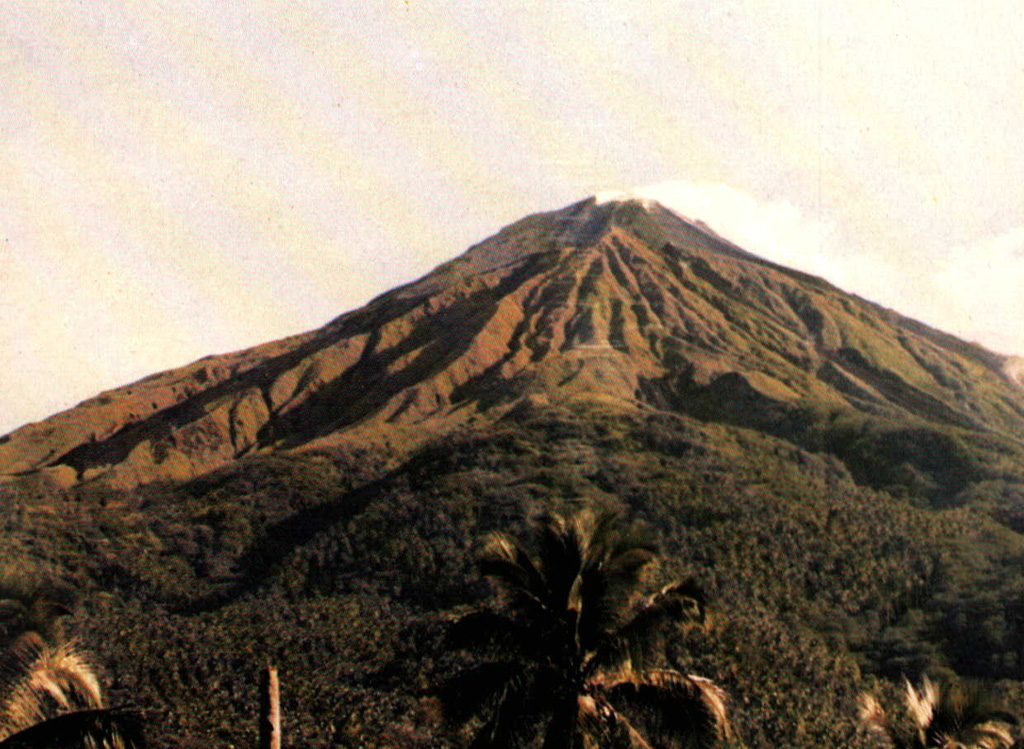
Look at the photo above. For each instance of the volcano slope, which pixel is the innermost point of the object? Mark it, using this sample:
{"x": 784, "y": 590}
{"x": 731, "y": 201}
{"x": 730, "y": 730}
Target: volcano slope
{"x": 848, "y": 483}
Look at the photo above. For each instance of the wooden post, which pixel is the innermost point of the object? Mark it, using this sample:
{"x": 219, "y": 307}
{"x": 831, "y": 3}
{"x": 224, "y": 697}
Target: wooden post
{"x": 270, "y": 710}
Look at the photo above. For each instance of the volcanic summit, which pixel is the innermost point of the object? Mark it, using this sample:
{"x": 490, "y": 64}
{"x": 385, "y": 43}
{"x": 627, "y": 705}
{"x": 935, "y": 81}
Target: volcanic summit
{"x": 617, "y": 301}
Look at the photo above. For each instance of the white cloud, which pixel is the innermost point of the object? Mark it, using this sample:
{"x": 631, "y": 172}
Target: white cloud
{"x": 979, "y": 290}
{"x": 776, "y": 230}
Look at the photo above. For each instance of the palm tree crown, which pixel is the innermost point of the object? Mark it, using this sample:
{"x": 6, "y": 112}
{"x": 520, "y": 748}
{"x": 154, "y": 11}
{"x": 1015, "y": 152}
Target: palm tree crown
{"x": 49, "y": 693}
{"x": 943, "y": 716}
{"x": 570, "y": 657}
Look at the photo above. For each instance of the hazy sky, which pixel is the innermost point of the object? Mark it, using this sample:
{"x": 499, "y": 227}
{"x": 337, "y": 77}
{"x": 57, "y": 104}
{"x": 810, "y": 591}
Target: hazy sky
{"x": 192, "y": 177}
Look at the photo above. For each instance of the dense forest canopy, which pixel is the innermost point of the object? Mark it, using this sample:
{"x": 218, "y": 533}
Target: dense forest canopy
{"x": 346, "y": 571}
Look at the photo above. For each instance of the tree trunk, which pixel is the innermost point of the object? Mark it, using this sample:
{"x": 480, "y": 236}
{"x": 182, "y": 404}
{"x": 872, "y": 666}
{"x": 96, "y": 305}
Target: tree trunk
{"x": 270, "y": 710}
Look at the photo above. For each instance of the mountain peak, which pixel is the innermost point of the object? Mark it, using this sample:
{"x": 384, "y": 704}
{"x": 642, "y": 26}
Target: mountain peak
{"x": 624, "y": 196}
{"x": 611, "y": 300}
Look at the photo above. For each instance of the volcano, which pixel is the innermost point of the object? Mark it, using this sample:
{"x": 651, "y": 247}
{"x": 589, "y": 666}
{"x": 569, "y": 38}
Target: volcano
{"x": 847, "y": 485}
{"x": 622, "y": 302}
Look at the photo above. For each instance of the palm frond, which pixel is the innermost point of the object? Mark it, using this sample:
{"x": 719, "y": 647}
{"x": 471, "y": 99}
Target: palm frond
{"x": 113, "y": 728}
{"x": 478, "y": 689}
{"x": 994, "y": 735}
{"x": 674, "y": 710}
{"x": 606, "y": 727}
{"x": 569, "y": 613}
{"x": 52, "y": 679}
{"x": 606, "y": 531}
{"x": 682, "y": 600}
{"x": 871, "y": 714}
{"x": 876, "y": 721}
{"x": 967, "y": 715}
{"x": 608, "y": 588}
{"x": 18, "y": 617}
{"x": 598, "y": 604}
{"x": 561, "y": 545}
{"x": 506, "y": 562}
{"x": 17, "y": 654}
{"x": 921, "y": 702}
{"x": 514, "y": 721}
{"x": 642, "y": 638}
{"x": 613, "y": 538}
{"x": 38, "y": 606}
{"x": 946, "y": 714}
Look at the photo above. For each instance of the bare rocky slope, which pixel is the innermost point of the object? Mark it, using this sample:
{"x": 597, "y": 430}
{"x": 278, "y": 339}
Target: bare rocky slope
{"x": 623, "y": 302}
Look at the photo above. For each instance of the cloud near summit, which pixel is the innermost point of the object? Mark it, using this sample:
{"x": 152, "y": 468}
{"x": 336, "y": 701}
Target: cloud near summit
{"x": 974, "y": 292}
{"x": 776, "y": 229}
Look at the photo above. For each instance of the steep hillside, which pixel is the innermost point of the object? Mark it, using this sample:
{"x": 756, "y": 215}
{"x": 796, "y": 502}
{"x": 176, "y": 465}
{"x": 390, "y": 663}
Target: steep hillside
{"x": 846, "y": 483}
{"x": 623, "y": 302}
{"x": 345, "y": 572}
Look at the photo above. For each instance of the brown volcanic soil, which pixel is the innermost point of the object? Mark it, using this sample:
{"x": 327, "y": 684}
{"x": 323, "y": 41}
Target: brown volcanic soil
{"x": 624, "y": 303}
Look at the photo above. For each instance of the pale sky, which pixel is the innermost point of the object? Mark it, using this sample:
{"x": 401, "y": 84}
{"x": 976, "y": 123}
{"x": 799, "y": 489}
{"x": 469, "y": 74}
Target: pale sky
{"x": 192, "y": 177}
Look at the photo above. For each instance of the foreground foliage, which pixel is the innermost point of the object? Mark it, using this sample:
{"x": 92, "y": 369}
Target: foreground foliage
{"x": 50, "y": 695}
{"x": 346, "y": 570}
{"x": 944, "y": 715}
{"x": 573, "y": 655}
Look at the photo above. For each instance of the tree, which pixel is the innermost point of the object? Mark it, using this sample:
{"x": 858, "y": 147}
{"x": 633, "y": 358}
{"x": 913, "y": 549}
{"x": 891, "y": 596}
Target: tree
{"x": 49, "y": 693}
{"x": 570, "y": 657}
{"x": 946, "y": 715}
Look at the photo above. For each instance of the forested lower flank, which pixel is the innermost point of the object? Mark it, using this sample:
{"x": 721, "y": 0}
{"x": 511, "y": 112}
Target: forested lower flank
{"x": 346, "y": 571}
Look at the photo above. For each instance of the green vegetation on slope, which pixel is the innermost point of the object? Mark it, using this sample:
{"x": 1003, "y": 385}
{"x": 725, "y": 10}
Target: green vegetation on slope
{"x": 346, "y": 572}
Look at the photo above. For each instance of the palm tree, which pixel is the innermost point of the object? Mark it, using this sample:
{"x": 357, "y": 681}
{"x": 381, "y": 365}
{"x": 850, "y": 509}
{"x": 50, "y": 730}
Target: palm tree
{"x": 49, "y": 693}
{"x": 569, "y": 659}
{"x": 947, "y": 715}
